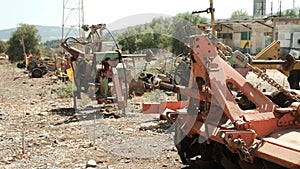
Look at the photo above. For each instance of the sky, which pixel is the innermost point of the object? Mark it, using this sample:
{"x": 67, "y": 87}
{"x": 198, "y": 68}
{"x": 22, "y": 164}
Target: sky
{"x": 50, "y": 12}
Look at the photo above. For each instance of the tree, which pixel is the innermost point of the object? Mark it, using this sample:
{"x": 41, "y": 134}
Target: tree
{"x": 290, "y": 13}
{"x": 3, "y": 46}
{"x": 164, "y": 33}
{"x": 184, "y": 25}
{"x": 26, "y": 34}
{"x": 128, "y": 39}
{"x": 239, "y": 13}
{"x": 52, "y": 44}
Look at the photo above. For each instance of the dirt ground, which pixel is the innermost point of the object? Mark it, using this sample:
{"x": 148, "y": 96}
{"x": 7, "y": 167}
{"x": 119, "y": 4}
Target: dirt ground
{"x": 40, "y": 129}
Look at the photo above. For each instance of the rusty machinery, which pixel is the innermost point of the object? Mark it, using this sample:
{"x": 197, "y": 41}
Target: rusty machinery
{"x": 225, "y": 122}
{"x": 221, "y": 119}
{"x": 35, "y": 66}
{"x": 104, "y": 70}
{"x": 32, "y": 63}
{"x": 269, "y": 58}
{"x": 38, "y": 66}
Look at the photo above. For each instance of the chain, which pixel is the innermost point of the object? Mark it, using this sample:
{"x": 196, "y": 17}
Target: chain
{"x": 224, "y": 50}
{"x": 255, "y": 145}
{"x": 243, "y": 61}
{"x": 206, "y": 85}
{"x": 271, "y": 81}
{"x": 242, "y": 150}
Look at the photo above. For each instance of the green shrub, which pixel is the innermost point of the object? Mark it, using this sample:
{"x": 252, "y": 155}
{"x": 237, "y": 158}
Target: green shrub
{"x": 66, "y": 90}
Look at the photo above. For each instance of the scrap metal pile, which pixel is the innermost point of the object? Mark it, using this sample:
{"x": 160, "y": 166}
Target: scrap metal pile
{"x": 100, "y": 68}
{"x": 221, "y": 119}
{"x": 228, "y": 123}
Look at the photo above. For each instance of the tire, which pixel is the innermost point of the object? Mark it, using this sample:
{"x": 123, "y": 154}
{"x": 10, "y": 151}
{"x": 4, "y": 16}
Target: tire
{"x": 37, "y": 73}
{"x": 184, "y": 145}
{"x": 20, "y": 65}
{"x": 178, "y": 144}
{"x": 189, "y": 147}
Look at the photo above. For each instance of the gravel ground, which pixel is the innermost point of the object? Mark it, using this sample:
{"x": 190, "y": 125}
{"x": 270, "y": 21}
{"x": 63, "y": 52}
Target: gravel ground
{"x": 40, "y": 129}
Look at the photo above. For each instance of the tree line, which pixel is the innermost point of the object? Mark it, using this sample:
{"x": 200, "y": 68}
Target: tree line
{"x": 169, "y": 33}
{"x": 160, "y": 33}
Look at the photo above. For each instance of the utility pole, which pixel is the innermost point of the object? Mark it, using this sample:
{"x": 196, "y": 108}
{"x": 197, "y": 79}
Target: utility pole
{"x": 24, "y": 50}
{"x": 280, "y": 9}
{"x": 72, "y": 18}
{"x": 272, "y": 8}
{"x": 212, "y": 16}
{"x": 262, "y": 8}
{"x": 210, "y": 10}
{"x": 293, "y": 4}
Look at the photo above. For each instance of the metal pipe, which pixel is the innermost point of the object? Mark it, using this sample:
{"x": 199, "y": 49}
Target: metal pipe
{"x": 212, "y": 15}
{"x": 134, "y": 55}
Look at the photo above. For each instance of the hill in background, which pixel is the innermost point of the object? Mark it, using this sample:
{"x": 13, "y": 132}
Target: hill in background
{"x": 47, "y": 33}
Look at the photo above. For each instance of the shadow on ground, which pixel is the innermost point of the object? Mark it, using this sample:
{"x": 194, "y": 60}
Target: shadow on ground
{"x": 88, "y": 113}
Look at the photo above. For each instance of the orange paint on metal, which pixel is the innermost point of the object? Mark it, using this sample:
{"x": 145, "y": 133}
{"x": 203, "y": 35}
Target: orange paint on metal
{"x": 159, "y": 108}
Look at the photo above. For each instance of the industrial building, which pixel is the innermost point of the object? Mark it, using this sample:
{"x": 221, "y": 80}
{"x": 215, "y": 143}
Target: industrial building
{"x": 254, "y": 33}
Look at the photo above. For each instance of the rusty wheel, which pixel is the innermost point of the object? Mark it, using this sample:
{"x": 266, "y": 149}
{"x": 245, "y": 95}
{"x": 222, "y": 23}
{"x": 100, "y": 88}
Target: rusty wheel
{"x": 186, "y": 146}
{"x": 179, "y": 145}
{"x": 37, "y": 73}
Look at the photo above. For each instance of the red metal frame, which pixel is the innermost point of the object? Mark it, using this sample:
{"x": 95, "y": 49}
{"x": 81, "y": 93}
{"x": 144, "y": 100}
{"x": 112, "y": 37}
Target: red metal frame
{"x": 251, "y": 126}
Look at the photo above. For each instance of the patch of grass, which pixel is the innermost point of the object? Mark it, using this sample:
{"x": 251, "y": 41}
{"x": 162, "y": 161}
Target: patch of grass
{"x": 155, "y": 96}
{"x": 66, "y": 90}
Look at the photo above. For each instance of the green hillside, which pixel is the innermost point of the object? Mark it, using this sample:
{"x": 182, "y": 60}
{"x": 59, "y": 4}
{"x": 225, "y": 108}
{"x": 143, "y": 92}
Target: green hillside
{"x": 47, "y": 33}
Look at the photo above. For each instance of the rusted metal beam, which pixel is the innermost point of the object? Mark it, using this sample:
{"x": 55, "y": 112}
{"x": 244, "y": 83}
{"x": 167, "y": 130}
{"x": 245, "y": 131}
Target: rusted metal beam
{"x": 247, "y": 26}
{"x": 231, "y": 28}
{"x": 272, "y": 27}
